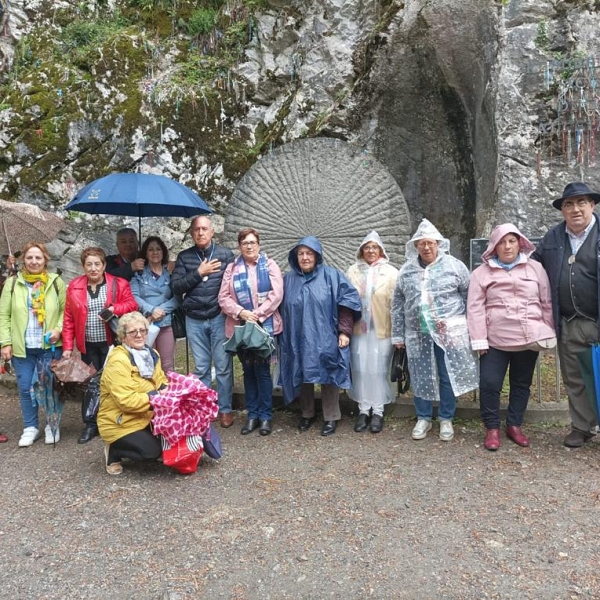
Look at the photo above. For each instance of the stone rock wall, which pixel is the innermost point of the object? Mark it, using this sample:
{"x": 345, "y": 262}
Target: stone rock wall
{"x": 451, "y": 97}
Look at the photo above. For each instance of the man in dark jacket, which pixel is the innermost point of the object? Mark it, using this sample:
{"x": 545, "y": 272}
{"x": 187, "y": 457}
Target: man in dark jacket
{"x": 126, "y": 263}
{"x": 197, "y": 278}
{"x": 570, "y": 254}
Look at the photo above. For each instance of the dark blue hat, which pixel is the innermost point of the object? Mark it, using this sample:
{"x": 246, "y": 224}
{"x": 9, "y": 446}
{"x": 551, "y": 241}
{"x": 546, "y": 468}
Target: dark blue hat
{"x": 577, "y": 188}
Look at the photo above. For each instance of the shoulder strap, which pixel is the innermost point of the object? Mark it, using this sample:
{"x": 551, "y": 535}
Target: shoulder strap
{"x": 14, "y": 281}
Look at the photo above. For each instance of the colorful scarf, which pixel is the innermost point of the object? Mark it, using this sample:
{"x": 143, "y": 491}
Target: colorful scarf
{"x": 242, "y": 288}
{"x": 38, "y": 293}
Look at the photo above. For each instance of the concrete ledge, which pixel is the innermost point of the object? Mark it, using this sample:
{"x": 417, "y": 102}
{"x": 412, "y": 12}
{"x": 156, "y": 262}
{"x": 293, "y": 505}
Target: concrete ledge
{"x": 556, "y": 413}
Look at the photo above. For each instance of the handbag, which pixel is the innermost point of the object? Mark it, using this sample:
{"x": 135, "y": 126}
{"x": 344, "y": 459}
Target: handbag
{"x": 399, "y": 370}
{"x": 212, "y": 443}
{"x": 72, "y": 370}
{"x": 178, "y": 323}
{"x": 541, "y": 345}
{"x": 184, "y": 456}
{"x": 91, "y": 397}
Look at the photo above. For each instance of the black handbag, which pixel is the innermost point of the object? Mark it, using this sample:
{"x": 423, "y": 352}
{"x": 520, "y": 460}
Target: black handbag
{"x": 399, "y": 370}
{"x": 178, "y": 323}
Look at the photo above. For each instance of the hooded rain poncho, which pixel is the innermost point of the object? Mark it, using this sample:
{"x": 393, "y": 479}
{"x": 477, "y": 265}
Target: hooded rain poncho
{"x": 309, "y": 342}
{"x": 371, "y": 346}
{"x": 429, "y": 307}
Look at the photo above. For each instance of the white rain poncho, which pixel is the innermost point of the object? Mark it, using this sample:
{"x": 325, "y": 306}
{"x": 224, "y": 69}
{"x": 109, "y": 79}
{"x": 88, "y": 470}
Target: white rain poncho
{"x": 371, "y": 345}
{"x": 429, "y": 306}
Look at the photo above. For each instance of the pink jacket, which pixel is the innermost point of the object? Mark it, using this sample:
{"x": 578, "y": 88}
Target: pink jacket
{"x": 229, "y": 305}
{"x": 507, "y": 309}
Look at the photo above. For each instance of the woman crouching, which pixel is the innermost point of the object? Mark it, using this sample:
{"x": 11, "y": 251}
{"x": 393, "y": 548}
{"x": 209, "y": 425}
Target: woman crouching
{"x": 131, "y": 375}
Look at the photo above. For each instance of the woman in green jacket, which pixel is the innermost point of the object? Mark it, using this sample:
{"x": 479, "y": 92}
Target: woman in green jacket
{"x": 31, "y": 319}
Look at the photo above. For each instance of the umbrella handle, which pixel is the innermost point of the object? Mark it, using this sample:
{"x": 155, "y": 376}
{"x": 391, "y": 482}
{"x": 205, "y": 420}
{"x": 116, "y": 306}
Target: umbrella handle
{"x": 47, "y": 341}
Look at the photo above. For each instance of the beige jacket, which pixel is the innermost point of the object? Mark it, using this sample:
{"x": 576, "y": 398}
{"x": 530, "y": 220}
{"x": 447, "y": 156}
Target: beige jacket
{"x": 381, "y": 293}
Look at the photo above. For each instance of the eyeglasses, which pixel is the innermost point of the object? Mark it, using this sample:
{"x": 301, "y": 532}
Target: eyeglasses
{"x": 568, "y": 206}
{"x": 426, "y": 244}
{"x": 249, "y": 244}
{"x": 370, "y": 248}
{"x": 136, "y": 332}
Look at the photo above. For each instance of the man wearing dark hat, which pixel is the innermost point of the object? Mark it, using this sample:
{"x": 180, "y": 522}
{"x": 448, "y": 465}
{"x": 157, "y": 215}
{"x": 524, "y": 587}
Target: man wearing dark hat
{"x": 570, "y": 254}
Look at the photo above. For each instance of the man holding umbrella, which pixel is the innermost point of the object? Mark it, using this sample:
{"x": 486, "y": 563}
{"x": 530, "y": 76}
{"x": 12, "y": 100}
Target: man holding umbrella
{"x": 569, "y": 253}
{"x": 197, "y": 278}
{"x": 126, "y": 263}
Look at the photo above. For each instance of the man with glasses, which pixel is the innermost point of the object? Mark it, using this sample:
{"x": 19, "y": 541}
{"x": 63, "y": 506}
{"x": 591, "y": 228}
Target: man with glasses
{"x": 569, "y": 253}
{"x": 197, "y": 278}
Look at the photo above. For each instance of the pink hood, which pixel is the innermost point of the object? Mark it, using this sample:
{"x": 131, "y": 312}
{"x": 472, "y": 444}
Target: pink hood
{"x": 525, "y": 246}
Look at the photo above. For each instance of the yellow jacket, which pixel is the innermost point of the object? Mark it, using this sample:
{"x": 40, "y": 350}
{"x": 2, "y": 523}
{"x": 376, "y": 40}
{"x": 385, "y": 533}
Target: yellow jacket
{"x": 124, "y": 400}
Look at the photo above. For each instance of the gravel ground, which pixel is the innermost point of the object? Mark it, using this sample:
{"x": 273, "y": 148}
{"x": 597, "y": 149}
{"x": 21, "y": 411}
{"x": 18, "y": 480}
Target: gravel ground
{"x": 302, "y": 516}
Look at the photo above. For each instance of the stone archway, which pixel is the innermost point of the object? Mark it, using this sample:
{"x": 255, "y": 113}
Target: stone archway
{"x": 323, "y": 187}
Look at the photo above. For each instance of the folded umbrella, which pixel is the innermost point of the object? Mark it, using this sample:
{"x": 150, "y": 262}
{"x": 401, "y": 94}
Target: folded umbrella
{"x": 46, "y": 395}
{"x": 250, "y": 336}
{"x": 185, "y": 408}
{"x": 590, "y": 373}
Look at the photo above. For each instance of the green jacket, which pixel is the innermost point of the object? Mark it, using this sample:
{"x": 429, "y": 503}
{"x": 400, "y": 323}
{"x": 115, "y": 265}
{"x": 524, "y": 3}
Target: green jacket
{"x": 14, "y": 312}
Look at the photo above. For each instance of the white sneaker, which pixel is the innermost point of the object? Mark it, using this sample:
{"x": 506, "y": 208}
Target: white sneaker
{"x": 30, "y": 434}
{"x": 50, "y": 437}
{"x": 446, "y": 430}
{"x": 420, "y": 430}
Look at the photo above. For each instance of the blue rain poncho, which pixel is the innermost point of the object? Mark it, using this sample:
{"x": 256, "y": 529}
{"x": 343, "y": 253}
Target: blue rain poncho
{"x": 309, "y": 342}
{"x": 429, "y": 306}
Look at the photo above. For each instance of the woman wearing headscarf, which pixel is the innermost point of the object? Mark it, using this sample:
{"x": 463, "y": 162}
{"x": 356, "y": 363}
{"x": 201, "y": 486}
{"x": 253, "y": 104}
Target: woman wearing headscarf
{"x": 132, "y": 374}
{"x": 152, "y": 292}
{"x": 319, "y": 309}
{"x": 428, "y": 318}
{"x": 509, "y": 312}
{"x": 88, "y": 296}
{"x": 31, "y": 321}
{"x": 251, "y": 291}
{"x": 371, "y": 346}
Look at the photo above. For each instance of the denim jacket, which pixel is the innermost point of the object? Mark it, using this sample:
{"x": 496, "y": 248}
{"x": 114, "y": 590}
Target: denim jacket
{"x": 151, "y": 293}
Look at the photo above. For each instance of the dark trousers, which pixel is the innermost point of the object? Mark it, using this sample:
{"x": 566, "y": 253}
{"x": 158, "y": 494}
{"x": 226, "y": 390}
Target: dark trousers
{"x": 492, "y": 369}
{"x": 139, "y": 445}
{"x": 330, "y": 401}
{"x": 258, "y": 389}
{"x": 95, "y": 355}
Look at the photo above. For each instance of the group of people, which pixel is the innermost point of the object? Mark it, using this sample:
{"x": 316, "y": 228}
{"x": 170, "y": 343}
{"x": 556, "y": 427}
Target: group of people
{"x": 460, "y": 330}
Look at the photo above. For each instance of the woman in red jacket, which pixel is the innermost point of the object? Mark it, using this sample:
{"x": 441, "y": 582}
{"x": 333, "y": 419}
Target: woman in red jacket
{"x": 88, "y": 297}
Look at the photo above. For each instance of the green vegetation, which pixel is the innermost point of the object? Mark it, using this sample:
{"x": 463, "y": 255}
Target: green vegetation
{"x": 202, "y": 21}
{"x": 541, "y": 36}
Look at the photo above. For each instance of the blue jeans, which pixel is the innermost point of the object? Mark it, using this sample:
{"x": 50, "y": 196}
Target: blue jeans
{"x": 258, "y": 389}
{"x": 24, "y": 369}
{"x": 206, "y": 338}
{"x": 424, "y": 408}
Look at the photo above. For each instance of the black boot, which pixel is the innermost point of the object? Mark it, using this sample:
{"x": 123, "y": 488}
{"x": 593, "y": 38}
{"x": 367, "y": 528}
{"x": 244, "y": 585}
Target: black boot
{"x": 361, "y": 423}
{"x": 251, "y": 425}
{"x": 376, "y": 423}
{"x": 88, "y": 434}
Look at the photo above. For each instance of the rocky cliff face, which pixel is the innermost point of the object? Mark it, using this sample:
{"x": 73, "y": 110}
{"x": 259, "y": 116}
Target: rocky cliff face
{"x": 481, "y": 110}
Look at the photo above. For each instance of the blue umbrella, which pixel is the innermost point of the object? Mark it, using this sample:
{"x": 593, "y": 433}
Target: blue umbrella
{"x": 138, "y": 195}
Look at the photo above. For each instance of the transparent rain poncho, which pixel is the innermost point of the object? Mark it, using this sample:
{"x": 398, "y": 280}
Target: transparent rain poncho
{"x": 371, "y": 345}
{"x": 429, "y": 306}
